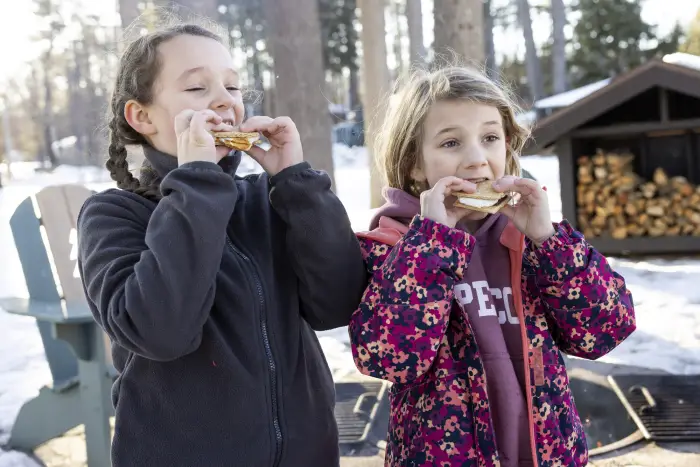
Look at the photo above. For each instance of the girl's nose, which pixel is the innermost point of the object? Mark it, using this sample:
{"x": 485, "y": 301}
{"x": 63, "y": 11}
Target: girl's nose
{"x": 224, "y": 99}
{"x": 474, "y": 157}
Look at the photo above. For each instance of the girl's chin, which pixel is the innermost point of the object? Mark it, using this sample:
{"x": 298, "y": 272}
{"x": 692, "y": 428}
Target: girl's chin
{"x": 475, "y": 216}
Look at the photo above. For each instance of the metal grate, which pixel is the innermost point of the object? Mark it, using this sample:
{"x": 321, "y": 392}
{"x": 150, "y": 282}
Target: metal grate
{"x": 664, "y": 407}
{"x": 356, "y": 404}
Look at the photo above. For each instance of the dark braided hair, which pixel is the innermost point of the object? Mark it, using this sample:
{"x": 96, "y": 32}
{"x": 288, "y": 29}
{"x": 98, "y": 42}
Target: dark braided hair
{"x": 139, "y": 67}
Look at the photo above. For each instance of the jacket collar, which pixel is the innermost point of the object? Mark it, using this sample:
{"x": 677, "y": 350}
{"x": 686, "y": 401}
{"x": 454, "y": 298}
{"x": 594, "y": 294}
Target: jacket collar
{"x": 161, "y": 163}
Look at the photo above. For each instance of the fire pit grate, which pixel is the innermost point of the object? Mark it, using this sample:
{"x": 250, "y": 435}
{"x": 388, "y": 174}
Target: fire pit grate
{"x": 356, "y": 406}
{"x": 664, "y": 407}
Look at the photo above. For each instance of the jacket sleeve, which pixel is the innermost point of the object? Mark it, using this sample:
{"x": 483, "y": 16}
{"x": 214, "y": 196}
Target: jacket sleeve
{"x": 151, "y": 283}
{"x": 398, "y": 328}
{"x": 324, "y": 251}
{"x": 587, "y": 301}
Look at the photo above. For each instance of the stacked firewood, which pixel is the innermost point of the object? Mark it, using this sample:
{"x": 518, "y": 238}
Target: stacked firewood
{"x": 613, "y": 201}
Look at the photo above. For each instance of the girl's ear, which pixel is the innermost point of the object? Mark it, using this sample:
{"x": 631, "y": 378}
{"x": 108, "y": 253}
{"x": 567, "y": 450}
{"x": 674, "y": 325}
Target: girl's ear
{"x": 419, "y": 182}
{"x": 137, "y": 117}
{"x": 418, "y": 175}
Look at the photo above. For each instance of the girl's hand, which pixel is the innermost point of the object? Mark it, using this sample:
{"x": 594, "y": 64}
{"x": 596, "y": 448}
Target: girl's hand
{"x": 433, "y": 202}
{"x": 194, "y": 140}
{"x": 285, "y": 142}
{"x": 531, "y": 213}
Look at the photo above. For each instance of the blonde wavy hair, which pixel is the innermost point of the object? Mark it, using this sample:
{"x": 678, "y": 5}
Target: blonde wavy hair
{"x": 400, "y": 137}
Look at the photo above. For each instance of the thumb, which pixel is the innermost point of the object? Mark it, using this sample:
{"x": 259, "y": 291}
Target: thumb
{"x": 182, "y": 121}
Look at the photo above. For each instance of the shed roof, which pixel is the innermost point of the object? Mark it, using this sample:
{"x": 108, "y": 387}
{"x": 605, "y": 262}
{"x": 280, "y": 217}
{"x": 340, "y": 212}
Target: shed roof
{"x": 668, "y": 74}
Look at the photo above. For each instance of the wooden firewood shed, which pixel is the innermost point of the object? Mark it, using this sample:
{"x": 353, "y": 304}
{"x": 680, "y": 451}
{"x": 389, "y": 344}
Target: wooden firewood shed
{"x": 629, "y": 161}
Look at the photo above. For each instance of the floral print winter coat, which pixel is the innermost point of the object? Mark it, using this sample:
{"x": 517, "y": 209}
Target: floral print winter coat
{"x": 409, "y": 331}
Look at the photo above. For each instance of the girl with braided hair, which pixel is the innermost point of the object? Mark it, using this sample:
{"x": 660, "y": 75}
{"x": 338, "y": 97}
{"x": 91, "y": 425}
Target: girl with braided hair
{"x": 210, "y": 285}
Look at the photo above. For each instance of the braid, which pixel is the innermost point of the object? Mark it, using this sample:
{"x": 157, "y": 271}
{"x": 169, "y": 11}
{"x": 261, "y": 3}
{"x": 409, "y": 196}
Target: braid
{"x": 118, "y": 165}
{"x": 151, "y": 192}
{"x": 150, "y": 184}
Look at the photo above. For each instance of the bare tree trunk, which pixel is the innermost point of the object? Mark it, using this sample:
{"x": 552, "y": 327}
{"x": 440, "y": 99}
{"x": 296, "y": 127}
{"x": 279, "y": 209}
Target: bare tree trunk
{"x": 295, "y": 40}
{"x": 206, "y": 8}
{"x": 396, "y": 14}
{"x": 35, "y": 112}
{"x": 128, "y": 11}
{"x": 47, "y": 116}
{"x": 257, "y": 85}
{"x": 7, "y": 136}
{"x": 558, "y": 46}
{"x": 491, "y": 68}
{"x": 353, "y": 89}
{"x": 268, "y": 105}
{"x": 459, "y": 27}
{"x": 414, "y": 17}
{"x": 532, "y": 61}
{"x": 375, "y": 84}
{"x": 75, "y": 97}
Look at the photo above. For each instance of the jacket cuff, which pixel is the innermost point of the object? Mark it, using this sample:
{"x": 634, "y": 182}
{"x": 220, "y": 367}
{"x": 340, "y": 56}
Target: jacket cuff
{"x": 557, "y": 249}
{"x": 289, "y": 172}
{"x": 564, "y": 236}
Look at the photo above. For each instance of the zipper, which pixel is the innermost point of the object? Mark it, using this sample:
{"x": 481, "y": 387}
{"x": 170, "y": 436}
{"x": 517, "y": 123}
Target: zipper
{"x": 268, "y": 350}
{"x": 516, "y": 287}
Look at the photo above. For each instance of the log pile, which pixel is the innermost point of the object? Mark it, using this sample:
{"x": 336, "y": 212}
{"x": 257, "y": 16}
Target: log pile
{"x": 613, "y": 201}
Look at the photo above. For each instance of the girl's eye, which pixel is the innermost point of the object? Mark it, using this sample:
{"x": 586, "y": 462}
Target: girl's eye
{"x": 449, "y": 144}
{"x": 229, "y": 88}
{"x": 492, "y": 138}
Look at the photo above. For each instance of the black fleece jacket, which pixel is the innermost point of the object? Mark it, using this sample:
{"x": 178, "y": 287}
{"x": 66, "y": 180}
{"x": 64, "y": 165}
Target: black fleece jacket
{"x": 211, "y": 298}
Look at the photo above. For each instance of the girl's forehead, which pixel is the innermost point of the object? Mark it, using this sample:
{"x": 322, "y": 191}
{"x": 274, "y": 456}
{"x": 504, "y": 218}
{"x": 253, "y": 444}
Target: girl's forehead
{"x": 463, "y": 112}
{"x": 186, "y": 55}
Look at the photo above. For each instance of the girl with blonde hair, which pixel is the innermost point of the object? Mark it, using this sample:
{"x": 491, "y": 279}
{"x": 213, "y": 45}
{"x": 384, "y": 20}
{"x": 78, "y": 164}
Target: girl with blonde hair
{"x": 467, "y": 313}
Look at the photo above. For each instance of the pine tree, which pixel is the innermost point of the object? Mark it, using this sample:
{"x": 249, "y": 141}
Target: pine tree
{"x": 339, "y": 40}
{"x": 691, "y": 45}
{"x": 608, "y": 39}
{"x": 338, "y": 20}
{"x": 670, "y": 43}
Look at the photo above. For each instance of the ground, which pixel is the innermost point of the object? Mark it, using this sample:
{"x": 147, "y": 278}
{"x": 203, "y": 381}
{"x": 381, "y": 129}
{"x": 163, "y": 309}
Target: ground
{"x": 69, "y": 451}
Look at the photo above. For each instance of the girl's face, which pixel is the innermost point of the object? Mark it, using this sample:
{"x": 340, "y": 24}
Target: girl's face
{"x": 463, "y": 139}
{"x": 196, "y": 73}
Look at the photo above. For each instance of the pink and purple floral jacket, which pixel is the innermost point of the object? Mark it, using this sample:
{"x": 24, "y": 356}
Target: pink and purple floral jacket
{"x": 409, "y": 331}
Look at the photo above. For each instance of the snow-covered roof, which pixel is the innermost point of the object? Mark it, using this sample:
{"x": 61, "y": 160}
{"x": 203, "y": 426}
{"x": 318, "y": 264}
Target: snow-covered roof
{"x": 679, "y": 73}
{"x": 687, "y": 60}
{"x": 569, "y": 97}
{"x": 526, "y": 118}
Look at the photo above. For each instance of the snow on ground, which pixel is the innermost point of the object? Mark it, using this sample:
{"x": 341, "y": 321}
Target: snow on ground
{"x": 666, "y": 292}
